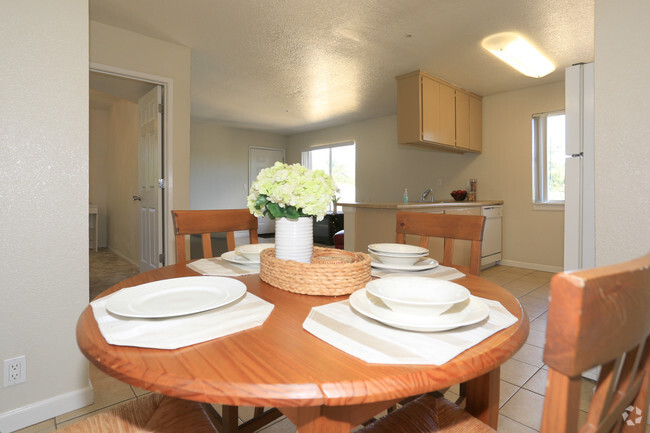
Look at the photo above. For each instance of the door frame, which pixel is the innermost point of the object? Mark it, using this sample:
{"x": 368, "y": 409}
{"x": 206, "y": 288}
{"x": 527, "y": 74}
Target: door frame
{"x": 167, "y": 85}
{"x": 250, "y": 149}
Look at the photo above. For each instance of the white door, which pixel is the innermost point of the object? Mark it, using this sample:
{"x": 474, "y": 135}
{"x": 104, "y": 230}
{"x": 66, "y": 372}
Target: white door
{"x": 149, "y": 173}
{"x": 258, "y": 159}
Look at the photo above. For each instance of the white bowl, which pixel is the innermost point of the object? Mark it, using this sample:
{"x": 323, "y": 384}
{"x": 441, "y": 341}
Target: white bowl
{"x": 252, "y": 251}
{"x": 395, "y": 259}
{"x": 394, "y": 248}
{"x": 417, "y": 295}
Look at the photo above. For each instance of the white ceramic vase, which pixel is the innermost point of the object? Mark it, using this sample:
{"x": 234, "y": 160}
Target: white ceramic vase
{"x": 294, "y": 239}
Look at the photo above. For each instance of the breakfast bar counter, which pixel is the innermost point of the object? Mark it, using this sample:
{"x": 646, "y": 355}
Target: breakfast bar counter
{"x": 367, "y": 223}
{"x": 419, "y": 206}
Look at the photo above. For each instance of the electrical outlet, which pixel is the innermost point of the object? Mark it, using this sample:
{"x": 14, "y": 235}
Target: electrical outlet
{"x": 439, "y": 182}
{"x": 15, "y": 371}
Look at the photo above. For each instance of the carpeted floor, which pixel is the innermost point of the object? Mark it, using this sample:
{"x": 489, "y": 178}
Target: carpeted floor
{"x": 106, "y": 269}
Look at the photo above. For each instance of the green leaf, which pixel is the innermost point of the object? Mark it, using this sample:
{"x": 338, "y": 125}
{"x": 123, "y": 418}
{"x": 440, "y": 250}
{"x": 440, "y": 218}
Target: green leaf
{"x": 275, "y": 210}
{"x": 292, "y": 212}
{"x": 261, "y": 201}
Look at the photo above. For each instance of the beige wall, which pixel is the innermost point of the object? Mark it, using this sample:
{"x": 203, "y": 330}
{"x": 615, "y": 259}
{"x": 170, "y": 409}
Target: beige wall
{"x": 503, "y": 170}
{"x": 383, "y": 167}
{"x": 130, "y": 51}
{"x": 122, "y": 163}
{"x": 219, "y": 164}
{"x": 114, "y": 175}
{"x": 622, "y": 130}
{"x": 44, "y": 197}
{"x": 98, "y": 172}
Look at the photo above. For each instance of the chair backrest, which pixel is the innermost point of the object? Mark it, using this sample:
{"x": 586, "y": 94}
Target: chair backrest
{"x": 205, "y": 222}
{"x": 599, "y": 317}
{"x": 448, "y": 227}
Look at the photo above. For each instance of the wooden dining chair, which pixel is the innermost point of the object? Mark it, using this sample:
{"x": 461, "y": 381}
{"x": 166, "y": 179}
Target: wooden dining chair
{"x": 596, "y": 317}
{"x": 599, "y": 317}
{"x": 446, "y": 226}
{"x": 152, "y": 413}
{"x": 205, "y": 222}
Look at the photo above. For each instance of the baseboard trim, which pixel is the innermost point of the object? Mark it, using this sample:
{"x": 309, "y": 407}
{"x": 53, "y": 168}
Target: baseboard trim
{"x": 534, "y": 266}
{"x": 122, "y": 256}
{"x": 43, "y": 410}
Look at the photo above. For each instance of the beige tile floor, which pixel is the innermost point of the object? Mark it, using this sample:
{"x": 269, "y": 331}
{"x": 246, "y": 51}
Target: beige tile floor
{"x": 523, "y": 378}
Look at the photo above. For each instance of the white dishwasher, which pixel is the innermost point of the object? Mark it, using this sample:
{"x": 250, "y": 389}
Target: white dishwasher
{"x": 491, "y": 250}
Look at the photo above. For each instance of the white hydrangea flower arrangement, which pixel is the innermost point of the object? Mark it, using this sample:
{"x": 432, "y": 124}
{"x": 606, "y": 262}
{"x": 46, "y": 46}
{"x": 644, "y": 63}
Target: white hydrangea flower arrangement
{"x": 291, "y": 191}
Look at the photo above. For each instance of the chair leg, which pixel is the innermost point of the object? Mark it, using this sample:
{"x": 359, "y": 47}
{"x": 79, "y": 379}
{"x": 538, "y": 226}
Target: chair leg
{"x": 259, "y": 421}
{"x": 225, "y": 423}
{"x": 229, "y": 421}
{"x": 230, "y": 418}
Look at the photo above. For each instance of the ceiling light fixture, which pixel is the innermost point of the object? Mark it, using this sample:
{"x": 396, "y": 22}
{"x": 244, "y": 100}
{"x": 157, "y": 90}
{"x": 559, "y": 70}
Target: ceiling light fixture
{"x": 518, "y": 53}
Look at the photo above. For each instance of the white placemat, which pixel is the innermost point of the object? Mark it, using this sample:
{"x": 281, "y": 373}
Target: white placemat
{"x": 441, "y": 272}
{"x": 174, "y": 332}
{"x": 221, "y": 267}
{"x": 341, "y": 326}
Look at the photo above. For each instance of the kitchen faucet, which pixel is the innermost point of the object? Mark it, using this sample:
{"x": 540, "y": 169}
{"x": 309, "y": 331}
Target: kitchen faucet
{"x": 425, "y": 194}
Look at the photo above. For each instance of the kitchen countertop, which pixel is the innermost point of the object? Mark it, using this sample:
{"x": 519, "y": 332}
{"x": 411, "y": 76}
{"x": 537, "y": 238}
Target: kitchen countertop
{"x": 422, "y": 205}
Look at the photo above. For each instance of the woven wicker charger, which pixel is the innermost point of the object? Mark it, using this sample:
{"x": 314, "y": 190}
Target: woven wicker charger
{"x": 325, "y": 279}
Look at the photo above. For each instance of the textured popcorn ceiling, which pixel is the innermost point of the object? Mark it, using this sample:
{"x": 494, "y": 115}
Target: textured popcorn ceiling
{"x": 297, "y": 65}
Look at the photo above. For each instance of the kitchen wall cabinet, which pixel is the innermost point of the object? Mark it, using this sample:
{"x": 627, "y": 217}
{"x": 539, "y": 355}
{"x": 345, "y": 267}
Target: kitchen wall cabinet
{"x": 475, "y": 123}
{"x": 437, "y": 114}
{"x": 469, "y": 121}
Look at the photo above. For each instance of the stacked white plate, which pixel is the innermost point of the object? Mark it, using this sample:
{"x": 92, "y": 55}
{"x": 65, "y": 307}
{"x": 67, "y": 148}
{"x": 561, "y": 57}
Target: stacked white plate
{"x": 419, "y": 304}
{"x": 175, "y": 297}
{"x": 252, "y": 251}
{"x": 248, "y": 254}
{"x": 401, "y": 257}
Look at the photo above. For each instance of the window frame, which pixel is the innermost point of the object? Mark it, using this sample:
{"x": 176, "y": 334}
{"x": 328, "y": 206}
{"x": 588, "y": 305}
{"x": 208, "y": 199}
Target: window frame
{"x": 305, "y": 155}
{"x": 540, "y": 161}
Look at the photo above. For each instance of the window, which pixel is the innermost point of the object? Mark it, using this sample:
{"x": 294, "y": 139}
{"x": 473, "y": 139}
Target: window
{"x": 337, "y": 160}
{"x": 548, "y": 157}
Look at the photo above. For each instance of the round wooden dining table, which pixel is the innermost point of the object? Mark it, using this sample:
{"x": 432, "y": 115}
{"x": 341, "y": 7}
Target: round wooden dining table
{"x": 279, "y": 364}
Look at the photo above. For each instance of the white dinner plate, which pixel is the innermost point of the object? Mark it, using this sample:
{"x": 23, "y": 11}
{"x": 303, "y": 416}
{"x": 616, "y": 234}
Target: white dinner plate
{"x": 422, "y": 265}
{"x": 234, "y": 257}
{"x": 175, "y": 297}
{"x": 465, "y": 313}
{"x": 394, "y": 248}
{"x": 383, "y": 254}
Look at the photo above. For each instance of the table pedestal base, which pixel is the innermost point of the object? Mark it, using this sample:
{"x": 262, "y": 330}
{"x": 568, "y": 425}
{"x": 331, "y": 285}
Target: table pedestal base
{"x": 483, "y": 397}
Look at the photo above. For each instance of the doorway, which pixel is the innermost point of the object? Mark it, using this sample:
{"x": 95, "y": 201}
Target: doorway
{"x": 115, "y": 162}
